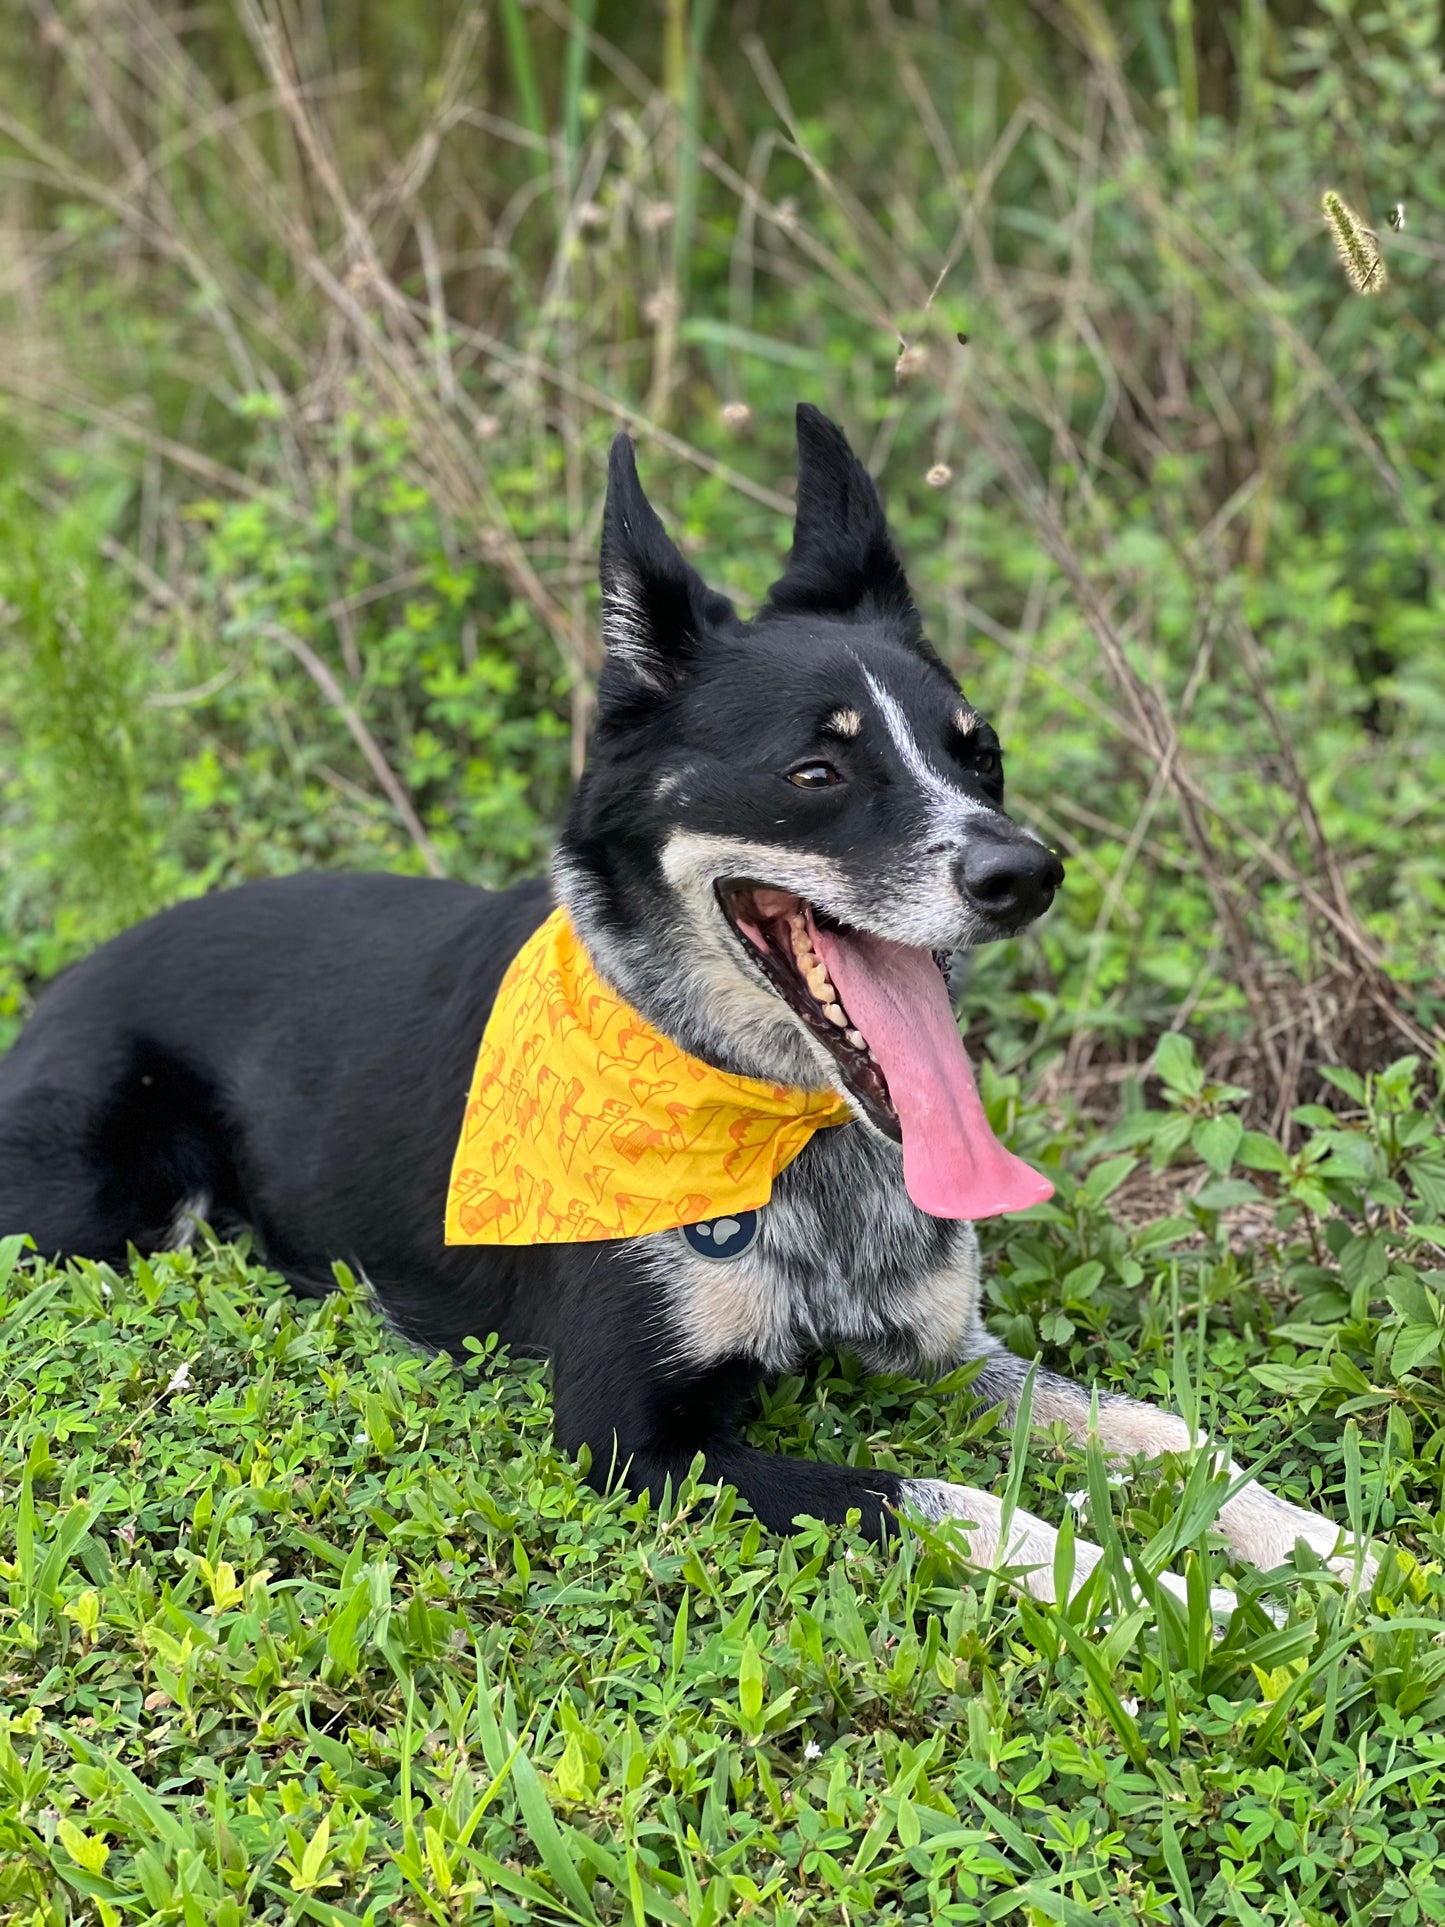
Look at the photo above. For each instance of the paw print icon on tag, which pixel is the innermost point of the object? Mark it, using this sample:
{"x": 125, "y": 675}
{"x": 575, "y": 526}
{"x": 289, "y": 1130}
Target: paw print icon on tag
{"x": 723, "y": 1239}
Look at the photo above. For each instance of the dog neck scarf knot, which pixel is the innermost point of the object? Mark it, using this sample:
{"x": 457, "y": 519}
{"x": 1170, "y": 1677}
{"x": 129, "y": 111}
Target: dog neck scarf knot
{"x": 583, "y": 1122}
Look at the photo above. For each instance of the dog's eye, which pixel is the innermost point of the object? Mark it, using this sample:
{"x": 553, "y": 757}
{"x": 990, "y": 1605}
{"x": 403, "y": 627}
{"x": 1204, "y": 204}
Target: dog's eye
{"x": 814, "y": 776}
{"x": 986, "y": 762}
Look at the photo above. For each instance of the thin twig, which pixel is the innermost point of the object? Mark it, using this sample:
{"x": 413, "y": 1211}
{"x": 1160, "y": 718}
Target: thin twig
{"x": 385, "y": 775}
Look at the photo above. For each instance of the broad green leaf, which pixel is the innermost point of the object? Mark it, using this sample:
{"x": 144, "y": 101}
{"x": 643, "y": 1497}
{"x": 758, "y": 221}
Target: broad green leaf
{"x": 1216, "y": 1139}
{"x": 750, "y": 1687}
{"x": 1176, "y": 1064}
{"x": 85, "y": 1849}
{"x": 1410, "y": 1298}
{"x": 1257, "y": 1151}
{"x": 1105, "y": 1179}
{"x": 1414, "y": 1346}
{"x": 1364, "y": 1261}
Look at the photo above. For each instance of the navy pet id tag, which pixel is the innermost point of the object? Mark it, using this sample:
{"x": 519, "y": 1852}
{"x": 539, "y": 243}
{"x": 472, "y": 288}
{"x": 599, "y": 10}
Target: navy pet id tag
{"x": 723, "y": 1239}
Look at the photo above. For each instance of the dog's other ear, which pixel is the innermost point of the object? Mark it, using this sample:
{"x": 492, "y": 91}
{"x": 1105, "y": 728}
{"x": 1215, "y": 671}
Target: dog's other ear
{"x": 656, "y": 608}
{"x": 843, "y": 561}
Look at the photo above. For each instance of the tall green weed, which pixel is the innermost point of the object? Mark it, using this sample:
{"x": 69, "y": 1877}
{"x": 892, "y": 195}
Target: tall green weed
{"x": 77, "y": 799}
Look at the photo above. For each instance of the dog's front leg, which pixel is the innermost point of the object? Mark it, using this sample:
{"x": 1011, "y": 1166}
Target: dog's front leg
{"x": 644, "y": 1417}
{"x": 644, "y": 1426}
{"x": 644, "y": 1420}
{"x": 1261, "y": 1527}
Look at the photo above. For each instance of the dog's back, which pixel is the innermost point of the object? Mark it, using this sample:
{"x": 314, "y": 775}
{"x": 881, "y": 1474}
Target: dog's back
{"x": 290, "y": 1056}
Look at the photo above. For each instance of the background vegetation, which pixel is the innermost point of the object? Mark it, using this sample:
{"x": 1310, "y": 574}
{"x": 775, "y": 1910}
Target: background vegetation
{"x": 314, "y": 328}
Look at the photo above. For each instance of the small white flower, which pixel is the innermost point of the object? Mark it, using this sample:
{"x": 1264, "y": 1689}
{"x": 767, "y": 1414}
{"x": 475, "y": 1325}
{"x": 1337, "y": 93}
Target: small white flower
{"x": 1130, "y": 1705}
{"x": 105, "y": 1290}
{"x": 812, "y": 1751}
{"x": 360, "y": 1438}
{"x": 939, "y": 476}
{"x": 1078, "y": 1500}
{"x": 180, "y": 1379}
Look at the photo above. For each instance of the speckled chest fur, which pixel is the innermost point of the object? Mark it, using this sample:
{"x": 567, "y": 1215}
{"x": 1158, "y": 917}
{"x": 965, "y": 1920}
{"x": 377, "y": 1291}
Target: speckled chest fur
{"x": 844, "y": 1260}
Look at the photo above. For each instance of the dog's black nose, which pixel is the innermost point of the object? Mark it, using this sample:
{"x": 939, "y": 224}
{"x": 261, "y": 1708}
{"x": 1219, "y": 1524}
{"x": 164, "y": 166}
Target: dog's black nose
{"x": 1013, "y": 881}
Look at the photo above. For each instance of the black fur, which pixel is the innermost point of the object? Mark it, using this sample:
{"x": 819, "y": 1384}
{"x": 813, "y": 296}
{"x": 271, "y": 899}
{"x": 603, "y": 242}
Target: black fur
{"x": 294, "y": 1056}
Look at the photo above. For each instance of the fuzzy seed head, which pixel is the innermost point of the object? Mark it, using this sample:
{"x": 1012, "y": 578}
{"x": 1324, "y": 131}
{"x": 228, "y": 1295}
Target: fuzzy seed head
{"x": 1357, "y": 245}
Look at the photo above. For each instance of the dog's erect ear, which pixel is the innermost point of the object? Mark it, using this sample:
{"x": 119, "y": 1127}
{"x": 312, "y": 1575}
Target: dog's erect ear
{"x": 656, "y": 608}
{"x": 842, "y": 562}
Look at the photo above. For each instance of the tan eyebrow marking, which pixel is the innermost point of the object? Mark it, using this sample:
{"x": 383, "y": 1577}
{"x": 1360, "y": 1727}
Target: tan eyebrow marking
{"x": 844, "y": 722}
{"x": 965, "y": 720}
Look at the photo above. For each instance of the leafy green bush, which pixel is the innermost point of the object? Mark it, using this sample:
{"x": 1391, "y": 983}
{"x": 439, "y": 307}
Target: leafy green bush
{"x": 1182, "y": 533}
{"x": 465, "y": 708}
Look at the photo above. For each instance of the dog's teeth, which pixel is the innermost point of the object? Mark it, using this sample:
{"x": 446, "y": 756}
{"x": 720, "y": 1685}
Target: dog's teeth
{"x": 821, "y": 985}
{"x": 857, "y": 1039}
{"x": 835, "y": 1015}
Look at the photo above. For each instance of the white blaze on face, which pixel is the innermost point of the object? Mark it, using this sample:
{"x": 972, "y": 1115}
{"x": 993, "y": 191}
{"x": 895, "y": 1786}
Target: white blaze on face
{"x": 950, "y": 806}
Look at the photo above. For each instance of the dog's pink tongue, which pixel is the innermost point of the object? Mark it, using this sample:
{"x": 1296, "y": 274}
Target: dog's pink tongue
{"x": 953, "y": 1164}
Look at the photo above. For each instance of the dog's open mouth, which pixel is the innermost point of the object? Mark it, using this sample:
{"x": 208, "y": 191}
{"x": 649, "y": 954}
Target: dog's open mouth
{"x": 779, "y": 930}
{"x": 881, "y": 1009}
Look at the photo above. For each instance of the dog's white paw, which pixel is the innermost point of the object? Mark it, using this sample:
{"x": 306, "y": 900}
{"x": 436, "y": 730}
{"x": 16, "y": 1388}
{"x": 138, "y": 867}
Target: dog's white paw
{"x": 1263, "y": 1529}
{"x": 1031, "y": 1542}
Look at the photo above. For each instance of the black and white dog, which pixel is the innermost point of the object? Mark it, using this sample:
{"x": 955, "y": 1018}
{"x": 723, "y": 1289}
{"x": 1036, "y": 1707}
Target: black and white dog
{"x": 777, "y": 814}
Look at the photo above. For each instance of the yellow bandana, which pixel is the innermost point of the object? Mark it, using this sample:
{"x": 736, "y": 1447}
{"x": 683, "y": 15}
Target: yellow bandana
{"x": 583, "y": 1122}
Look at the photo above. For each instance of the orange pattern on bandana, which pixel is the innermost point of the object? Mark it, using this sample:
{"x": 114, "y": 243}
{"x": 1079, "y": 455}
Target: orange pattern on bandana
{"x": 583, "y": 1122}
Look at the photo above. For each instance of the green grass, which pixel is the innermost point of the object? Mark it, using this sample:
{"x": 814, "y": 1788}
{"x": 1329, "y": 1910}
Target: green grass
{"x": 300, "y": 1625}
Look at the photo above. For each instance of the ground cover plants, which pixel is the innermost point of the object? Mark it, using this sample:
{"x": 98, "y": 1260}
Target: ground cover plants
{"x": 313, "y": 333}
{"x": 300, "y": 1625}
